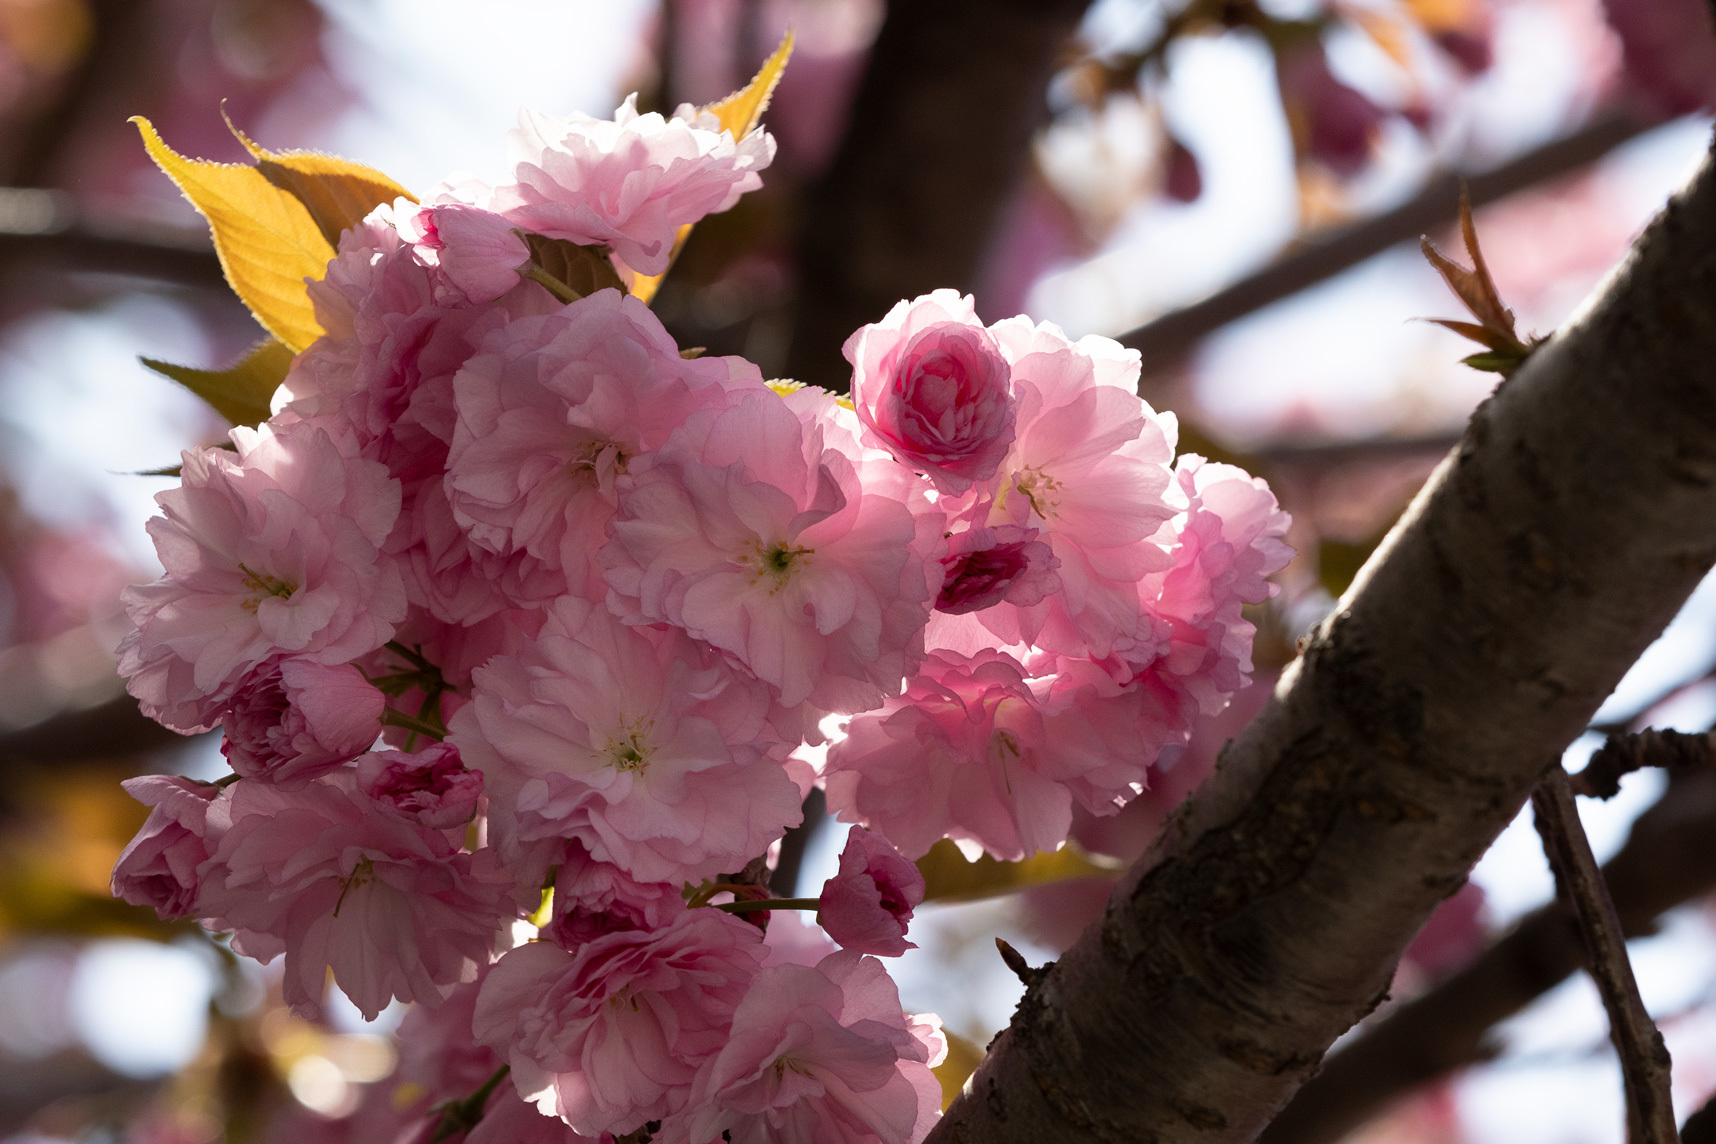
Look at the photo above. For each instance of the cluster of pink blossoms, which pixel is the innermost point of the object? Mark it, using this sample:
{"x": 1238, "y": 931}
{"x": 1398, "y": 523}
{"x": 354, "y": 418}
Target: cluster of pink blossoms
{"x": 510, "y": 594}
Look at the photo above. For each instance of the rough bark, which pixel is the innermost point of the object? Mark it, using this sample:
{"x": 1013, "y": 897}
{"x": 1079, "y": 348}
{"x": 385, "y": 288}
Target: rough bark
{"x": 1548, "y": 550}
{"x": 1667, "y": 860}
{"x": 938, "y": 136}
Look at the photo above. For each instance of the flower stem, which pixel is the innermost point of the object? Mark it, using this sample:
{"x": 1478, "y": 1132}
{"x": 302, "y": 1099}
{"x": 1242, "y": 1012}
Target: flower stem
{"x": 770, "y": 904}
{"x": 392, "y": 718}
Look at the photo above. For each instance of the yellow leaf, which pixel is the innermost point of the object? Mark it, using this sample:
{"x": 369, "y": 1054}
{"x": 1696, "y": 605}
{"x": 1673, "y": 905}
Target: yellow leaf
{"x": 949, "y": 877}
{"x": 337, "y": 192}
{"x": 240, "y": 393}
{"x": 739, "y": 113}
{"x": 266, "y": 239}
{"x": 963, "y": 1057}
{"x": 743, "y": 110}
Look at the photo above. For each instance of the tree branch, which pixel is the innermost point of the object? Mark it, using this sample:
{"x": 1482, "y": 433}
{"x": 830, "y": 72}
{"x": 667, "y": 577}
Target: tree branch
{"x": 1540, "y": 560}
{"x": 1645, "y": 1064}
{"x": 1667, "y": 860}
{"x": 937, "y": 137}
{"x": 1164, "y": 341}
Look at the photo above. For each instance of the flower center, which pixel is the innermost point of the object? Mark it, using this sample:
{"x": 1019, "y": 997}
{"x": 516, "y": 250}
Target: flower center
{"x": 260, "y": 585}
{"x": 588, "y": 460}
{"x": 1042, "y": 490}
{"x": 630, "y": 749}
{"x": 363, "y": 872}
{"x": 778, "y": 562}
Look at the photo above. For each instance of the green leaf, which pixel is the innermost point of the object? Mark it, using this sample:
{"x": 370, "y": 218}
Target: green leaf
{"x": 242, "y": 392}
{"x": 583, "y": 270}
{"x": 1494, "y": 363}
{"x": 948, "y": 877}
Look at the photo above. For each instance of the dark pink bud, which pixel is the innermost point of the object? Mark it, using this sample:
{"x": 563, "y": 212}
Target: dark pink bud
{"x": 431, "y": 787}
{"x": 158, "y": 868}
{"x": 292, "y": 720}
{"x": 1332, "y": 123}
{"x": 868, "y": 904}
{"x": 931, "y": 387}
{"x": 985, "y": 566}
{"x": 1182, "y": 181}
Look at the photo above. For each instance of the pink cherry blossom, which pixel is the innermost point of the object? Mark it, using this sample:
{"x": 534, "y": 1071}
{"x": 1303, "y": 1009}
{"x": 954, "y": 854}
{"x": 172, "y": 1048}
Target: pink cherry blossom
{"x": 748, "y": 531}
{"x": 614, "y": 1035}
{"x": 593, "y": 898}
{"x": 931, "y": 387}
{"x": 480, "y": 252}
{"x": 553, "y": 411}
{"x": 432, "y": 787}
{"x": 868, "y": 904}
{"x": 158, "y": 868}
{"x": 638, "y": 743}
{"x": 292, "y": 719}
{"x": 823, "y": 1055}
{"x": 976, "y": 748}
{"x": 440, "y": 1062}
{"x": 1198, "y": 649}
{"x": 988, "y": 566}
{"x": 392, "y": 907}
{"x": 1089, "y": 470}
{"x": 274, "y": 550}
{"x": 628, "y": 183}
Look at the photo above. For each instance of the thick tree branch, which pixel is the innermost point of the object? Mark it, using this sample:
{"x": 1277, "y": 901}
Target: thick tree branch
{"x": 1645, "y": 1064}
{"x": 1164, "y": 341}
{"x": 1666, "y": 861}
{"x": 1544, "y": 555}
{"x": 936, "y": 140}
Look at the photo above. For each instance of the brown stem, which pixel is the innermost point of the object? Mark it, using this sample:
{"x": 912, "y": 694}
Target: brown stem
{"x": 1543, "y": 556}
{"x": 1166, "y": 340}
{"x": 1645, "y": 1065}
{"x": 1621, "y": 755}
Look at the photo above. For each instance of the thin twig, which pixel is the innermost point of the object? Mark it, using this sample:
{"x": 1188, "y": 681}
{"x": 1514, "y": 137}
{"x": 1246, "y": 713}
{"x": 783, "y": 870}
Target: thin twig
{"x": 1645, "y": 1063}
{"x": 1623, "y": 754}
{"x": 1166, "y": 340}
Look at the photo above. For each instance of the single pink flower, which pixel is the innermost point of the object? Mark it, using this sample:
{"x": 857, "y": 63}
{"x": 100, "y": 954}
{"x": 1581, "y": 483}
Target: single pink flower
{"x": 932, "y": 388}
{"x": 440, "y": 1062}
{"x": 820, "y": 1054}
{"x": 867, "y": 905}
{"x": 272, "y": 551}
{"x": 480, "y": 252}
{"x": 292, "y": 719}
{"x": 614, "y": 1035}
{"x": 158, "y": 868}
{"x": 751, "y": 531}
{"x": 988, "y": 566}
{"x": 392, "y": 907}
{"x": 593, "y": 898}
{"x": 977, "y": 748}
{"x": 640, "y": 744}
{"x": 553, "y": 411}
{"x": 431, "y": 788}
{"x": 1196, "y": 651}
{"x": 1089, "y": 471}
{"x": 628, "y": 183}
